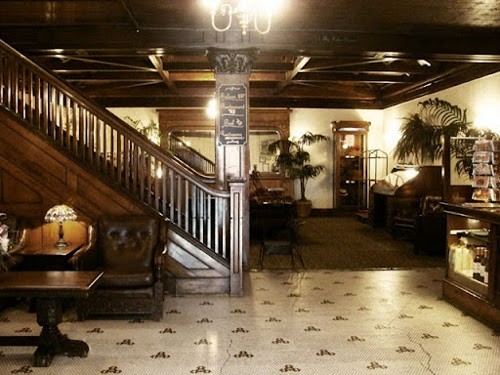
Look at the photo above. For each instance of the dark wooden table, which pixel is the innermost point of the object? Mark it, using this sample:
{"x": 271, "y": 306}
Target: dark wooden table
{"x": 46, "y": 257}
{"x": 49, "y": 288}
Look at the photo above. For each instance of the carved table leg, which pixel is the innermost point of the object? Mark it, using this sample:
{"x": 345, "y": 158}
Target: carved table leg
{"x": 52, "y": 341}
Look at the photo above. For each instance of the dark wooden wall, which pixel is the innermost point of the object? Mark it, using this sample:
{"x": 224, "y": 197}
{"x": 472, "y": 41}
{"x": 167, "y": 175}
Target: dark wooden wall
{"x": 34, "y": 176}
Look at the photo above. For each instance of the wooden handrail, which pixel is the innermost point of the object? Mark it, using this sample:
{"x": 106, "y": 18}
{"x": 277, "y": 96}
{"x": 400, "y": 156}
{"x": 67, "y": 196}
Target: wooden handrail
{"x": 197, "y": 161}
{"x": 115, "y": 150}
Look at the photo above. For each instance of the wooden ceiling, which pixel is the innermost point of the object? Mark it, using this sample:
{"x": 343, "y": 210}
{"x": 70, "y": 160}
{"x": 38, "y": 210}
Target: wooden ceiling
{"x": 319, "y": 53}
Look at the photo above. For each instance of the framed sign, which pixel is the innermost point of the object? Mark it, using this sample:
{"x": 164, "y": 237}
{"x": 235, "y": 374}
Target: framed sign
{"x": 233, "y": 115}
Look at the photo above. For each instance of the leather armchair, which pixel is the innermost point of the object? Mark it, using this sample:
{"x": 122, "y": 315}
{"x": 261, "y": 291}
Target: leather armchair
{"x": 129, "y": 250}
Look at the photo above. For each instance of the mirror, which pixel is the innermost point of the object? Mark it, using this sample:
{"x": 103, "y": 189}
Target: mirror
{"x": 260, "y": 158}
{"x": 203, "y": 142}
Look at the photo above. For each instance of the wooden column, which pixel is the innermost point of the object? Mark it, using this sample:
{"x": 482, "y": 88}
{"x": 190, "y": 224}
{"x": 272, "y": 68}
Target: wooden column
{"x": 232, "y": 156}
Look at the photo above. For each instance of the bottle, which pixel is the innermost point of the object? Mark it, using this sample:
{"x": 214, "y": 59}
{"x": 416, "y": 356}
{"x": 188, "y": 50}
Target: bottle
{"x": 486, "y": 265}
{"x": 481, "y": 265}
{"x": 475, "y": 267}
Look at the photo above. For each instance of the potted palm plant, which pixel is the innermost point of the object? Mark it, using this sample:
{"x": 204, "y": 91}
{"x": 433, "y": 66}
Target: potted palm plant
{"x": 294, "y": 160}
{"x": 422, "y": 134}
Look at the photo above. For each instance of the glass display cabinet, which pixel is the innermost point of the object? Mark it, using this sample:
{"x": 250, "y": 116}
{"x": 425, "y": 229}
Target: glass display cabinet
{"x": 350, "y": 141}
{"x": 472, "y": 277}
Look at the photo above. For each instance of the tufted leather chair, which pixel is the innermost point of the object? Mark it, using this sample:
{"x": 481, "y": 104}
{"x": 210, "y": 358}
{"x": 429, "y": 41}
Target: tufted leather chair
{"x": 129, "y": 250}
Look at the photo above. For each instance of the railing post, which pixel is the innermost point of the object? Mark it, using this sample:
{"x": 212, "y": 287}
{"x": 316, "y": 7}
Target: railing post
{"x": 239, "y": 240}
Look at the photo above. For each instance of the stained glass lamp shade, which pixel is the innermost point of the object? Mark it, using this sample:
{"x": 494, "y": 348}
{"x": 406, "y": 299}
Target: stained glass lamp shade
{"x": 60, "y": 214}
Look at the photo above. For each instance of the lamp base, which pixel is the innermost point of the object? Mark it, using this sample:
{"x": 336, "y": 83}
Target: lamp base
{"x": 61, "y": 244}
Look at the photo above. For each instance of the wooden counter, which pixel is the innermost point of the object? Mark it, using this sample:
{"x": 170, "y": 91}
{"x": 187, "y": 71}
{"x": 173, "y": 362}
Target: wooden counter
{"x": 472, "y": 280}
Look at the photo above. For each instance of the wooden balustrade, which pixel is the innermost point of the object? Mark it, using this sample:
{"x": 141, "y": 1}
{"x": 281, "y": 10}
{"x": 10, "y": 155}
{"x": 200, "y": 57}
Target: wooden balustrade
{"x": 116, "y": 151}
{"x": 193, "y": 158}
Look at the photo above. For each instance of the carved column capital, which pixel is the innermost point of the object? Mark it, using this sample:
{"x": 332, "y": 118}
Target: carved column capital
{"x": 232, "y": 61}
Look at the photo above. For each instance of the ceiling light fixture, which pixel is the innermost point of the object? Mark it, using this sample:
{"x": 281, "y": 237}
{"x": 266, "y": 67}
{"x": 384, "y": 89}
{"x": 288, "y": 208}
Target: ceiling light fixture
{"x": 246, "y": 11}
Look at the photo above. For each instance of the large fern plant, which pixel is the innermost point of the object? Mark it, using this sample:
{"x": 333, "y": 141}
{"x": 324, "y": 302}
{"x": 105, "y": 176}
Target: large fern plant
{"x": 422, "y": 134}
{"x": 294, "y": 158}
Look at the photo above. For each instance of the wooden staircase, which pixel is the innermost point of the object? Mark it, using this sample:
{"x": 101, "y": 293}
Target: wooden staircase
{"x": 57, "y": 146}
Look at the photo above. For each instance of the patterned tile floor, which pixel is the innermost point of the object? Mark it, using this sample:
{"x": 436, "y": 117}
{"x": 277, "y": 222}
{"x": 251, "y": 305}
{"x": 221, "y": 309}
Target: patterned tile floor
{"x": 315, "y": 322}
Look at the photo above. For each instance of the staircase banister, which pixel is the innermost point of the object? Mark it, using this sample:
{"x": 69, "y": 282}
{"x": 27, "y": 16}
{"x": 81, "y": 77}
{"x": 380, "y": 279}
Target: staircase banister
{"x": 114, "y": 121}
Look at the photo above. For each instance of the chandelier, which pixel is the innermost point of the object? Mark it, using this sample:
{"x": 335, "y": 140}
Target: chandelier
{"x": 246, "y": 12}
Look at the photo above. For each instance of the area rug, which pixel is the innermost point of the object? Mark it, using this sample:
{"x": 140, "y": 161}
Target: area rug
{"x": 346, "y": 243}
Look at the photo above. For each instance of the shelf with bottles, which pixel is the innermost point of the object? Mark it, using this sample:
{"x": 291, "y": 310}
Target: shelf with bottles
{"x": 469, "y": 256}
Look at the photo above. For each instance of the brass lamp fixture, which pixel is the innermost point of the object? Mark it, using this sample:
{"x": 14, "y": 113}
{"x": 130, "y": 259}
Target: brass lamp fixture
{"x": 60, "y": 214}
{"x": 246, "y": 11}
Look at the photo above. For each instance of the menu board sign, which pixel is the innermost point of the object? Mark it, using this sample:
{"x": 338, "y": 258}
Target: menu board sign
{"x": 233, "y": 114}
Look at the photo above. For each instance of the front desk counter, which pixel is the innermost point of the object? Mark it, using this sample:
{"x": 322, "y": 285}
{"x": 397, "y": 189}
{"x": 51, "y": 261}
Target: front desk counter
{"x": 472, "y": 279}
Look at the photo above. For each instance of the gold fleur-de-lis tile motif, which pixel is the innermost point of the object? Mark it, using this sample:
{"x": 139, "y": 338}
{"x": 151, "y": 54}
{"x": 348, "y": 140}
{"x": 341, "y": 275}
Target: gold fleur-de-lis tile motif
{"x": 203, "y": 342}
{"x": 355, "y": 338}
{"x": 311, "y": 328}
{"x": 22, "y": 370}
{"x": 126, "y": 342}
{"x": 200, "y": 370}
{"x": 459, "y": 362}
{"x": 340, "y": 317}
{"x": 111, "y": 370}
{"x": 404, "y": 349}
{"x": 324, "y": 352}
{"x": 429, "y": 336}
{"x": 481, "y": 347}
{"x": 289, "y": 368}
{"x": 280, "y": 340}
{"x": 167, "y": 330}
{"x": 327, "y": 302}
{"x": 136, "y": 321}
{"x": 204, "y": 320}
{"x": 405, "y": 316}
{"x": 240, "y": 330}
{"x": 375, "y": 365}
{"x": 238, "y": 311}
{"x": 23, "y": 330}
{"x": 243, "y": 354}
{"x": 448, "y": 324}
{"x": 173, "y": 311}
{"x": 273, "y": 319}
{"x": 160, "y": 355}
{"x": 95, "y": 330}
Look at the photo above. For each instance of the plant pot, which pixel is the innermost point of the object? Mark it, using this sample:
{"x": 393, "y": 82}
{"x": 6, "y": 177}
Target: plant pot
{"x": 303, "y": 208}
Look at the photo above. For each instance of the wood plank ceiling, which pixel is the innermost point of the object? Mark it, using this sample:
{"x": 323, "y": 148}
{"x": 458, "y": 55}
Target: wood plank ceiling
{"x": 319, "y": 53}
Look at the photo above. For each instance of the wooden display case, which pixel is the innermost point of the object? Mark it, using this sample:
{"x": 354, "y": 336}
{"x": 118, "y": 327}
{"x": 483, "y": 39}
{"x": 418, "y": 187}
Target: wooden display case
{"x": 350, "y": 140}
{"x": 472, "y": 280}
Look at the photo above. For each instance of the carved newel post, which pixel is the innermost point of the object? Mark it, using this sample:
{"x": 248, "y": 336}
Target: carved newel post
{"x": 232, "y": 71}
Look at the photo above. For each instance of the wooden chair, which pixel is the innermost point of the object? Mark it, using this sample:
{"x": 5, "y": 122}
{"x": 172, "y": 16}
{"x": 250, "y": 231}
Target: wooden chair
{"x": 129, "y": 249}
{"x": 280, "y": 234}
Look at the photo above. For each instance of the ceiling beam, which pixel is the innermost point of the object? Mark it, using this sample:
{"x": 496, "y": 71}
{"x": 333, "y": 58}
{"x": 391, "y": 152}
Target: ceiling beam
{"x": 300, "y": 62}
{"x": 164, "y": 74}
